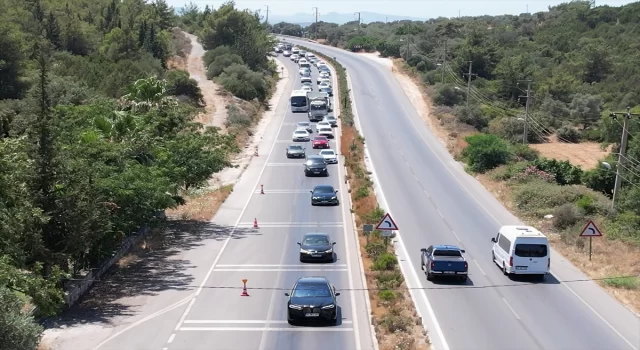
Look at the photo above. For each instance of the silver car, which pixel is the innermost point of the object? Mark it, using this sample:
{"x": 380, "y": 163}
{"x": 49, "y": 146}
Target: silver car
{"x": 305, "y": 126}
{"x": 330, "y": 156}
{"x": 331, "y": 120}
{"x": 300, "y": 135}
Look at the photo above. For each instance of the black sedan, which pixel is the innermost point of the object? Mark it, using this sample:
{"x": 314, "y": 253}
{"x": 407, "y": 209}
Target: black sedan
{"x": 295, "y": 151}
{"x": 312, "y": 298}
{"x": 324, "y": 194}
{"x": 316, "y": 165}
{"x": 316, "y": 246}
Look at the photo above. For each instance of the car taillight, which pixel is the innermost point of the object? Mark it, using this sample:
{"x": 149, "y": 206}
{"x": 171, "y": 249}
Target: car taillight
{"x": 549, "y": 263}
{"x": 433, "y": 264}
{"x": 511, "y": 261}
{"x": 466, "y": 266}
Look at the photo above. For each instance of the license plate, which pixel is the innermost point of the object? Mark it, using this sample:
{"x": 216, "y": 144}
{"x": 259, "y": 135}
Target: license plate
{"x": 316, "y": 255}
{"x": 521, "y": 267}
{"x": 449, "y": 272}
{"x": 316, "y": 172}
{"x": 312, "y": 315}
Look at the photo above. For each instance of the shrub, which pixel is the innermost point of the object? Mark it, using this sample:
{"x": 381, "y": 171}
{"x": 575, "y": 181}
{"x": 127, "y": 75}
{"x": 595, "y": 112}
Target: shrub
{"x": 236, "y": 117}
{"x": 524, "y": 152}
{"x": 239, "y": 80}
{"x": 568, "y": 134}
{"x": 180, "y": 84}
{"x": 471, "y": 116}
{"x": 396, "y": 322}
{"x": 362, "y": 192}
{"x": 386, "y": 261}
{"x": 593, "y": 135}
{"x": 211, "y": 55}
{"x": 387, "y": 295}
{"x": 599, "y": 180}
{"x": 375, "y": 248}
{"x": 541, "y": 198}
{"x": 389, "y": 279}
{"x": 565, "y": 216}
{"x": 627, "y": 282}
{"x": 485, "y": 152}
{"x": 447, "y": 95}
{"x": 623, "y": 227}
{"x": 221, "y": 62}
{"x": 532, "y": 173}
{"x": 562, "y": 170}
{"x": 586, "y": 204}
{"x": 19, "y": 330}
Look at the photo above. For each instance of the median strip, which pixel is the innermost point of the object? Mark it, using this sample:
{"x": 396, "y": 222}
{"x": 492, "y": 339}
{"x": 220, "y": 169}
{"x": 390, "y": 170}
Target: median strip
{"x": 393, "y": 312}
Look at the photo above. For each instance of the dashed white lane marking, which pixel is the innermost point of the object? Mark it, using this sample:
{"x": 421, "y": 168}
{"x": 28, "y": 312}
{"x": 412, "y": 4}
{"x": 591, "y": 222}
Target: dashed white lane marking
{"x": 479, "y": 268}
{"x": 510, "y": 308}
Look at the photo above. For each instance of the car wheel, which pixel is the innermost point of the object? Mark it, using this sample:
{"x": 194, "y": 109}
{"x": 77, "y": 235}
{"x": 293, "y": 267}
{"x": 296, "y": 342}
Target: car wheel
{"x": 464, "y": 278}
{"x": 429, "y": 277}
{"x": 504, "y": 269}
{"x": 334, "y": 321}
{"x": 313, "y": 204}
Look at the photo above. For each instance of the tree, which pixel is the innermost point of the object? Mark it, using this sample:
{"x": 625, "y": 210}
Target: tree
{"x": 243, "y": 83}
{"x": 485, "y": 152}
{"x": 53, "y": 31}
{"x": 585, "y": 108}
{"x": 180, "y": 84}
{"x": 11, "y": 63}
{"x": 221, "y": 63}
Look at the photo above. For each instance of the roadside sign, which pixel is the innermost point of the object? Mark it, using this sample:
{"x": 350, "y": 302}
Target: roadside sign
{"x": 386, "y": 224}
{"x": 367, "y": 228}
{"x": 591, "y": 230}
{"x": 387, "y": 233}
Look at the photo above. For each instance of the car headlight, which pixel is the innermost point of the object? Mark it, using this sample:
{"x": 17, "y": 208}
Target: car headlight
{"x": 329, "y": 251}
{"x": 328, "y": 307}
{"x": 334, "y": 198}
{"x": 295, "y": 307}
{"x": 316, "y": 198}
{"x": 304, "y": 251}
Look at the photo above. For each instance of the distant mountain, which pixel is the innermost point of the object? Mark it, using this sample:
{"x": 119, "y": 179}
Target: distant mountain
{"x": 306, "y": 19}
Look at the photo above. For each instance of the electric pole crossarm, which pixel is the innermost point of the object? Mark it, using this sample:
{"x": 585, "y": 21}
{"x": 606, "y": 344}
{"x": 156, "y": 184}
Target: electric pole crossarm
{"x": 622, "y": 155}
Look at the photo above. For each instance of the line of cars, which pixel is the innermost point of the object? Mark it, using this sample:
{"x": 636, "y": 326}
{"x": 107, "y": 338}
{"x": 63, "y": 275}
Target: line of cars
{"x": 313, "y": 298}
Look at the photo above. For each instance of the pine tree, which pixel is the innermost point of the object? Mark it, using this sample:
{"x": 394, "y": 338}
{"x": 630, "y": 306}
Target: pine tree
{"x": 53, "y": 31}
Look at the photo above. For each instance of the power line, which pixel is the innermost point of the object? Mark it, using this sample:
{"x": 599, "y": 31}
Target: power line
{"x": 623, "y": 149}
{"x": 316, "y": 26}
{"x": 469, "y": 75}
{"x": 526, "y": 113}
{"x": 267, "y": 19}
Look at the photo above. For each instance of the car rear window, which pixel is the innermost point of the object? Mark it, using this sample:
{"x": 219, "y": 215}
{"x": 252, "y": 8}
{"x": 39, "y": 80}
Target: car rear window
{"x": 320, "y": 138}
{"x": 531, "y": 250}
{"x": 446, "y": 252}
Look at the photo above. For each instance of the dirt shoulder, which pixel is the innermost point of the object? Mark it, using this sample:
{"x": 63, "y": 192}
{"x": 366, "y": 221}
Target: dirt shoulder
{"x": 610, "y": 258}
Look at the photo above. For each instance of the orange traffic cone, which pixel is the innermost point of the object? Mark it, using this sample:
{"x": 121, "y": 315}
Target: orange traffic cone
{"x": 255, "y": 223}
{"x": 261, "y": 189}
{"x": 244, "y": 289}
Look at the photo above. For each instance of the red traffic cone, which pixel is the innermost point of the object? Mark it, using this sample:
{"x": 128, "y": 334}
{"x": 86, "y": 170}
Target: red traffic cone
{"x": 255, "y": 223}
{"x": 244, "y": 288}
{"x": 261, "y": 189}
{"x": 255, "y": 153}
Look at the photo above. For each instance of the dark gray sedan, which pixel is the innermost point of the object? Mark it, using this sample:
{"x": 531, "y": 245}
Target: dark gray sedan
{"x": 296, "y": 151}
{"x": 316, "y": 247}
{"x": 324, "y": 194}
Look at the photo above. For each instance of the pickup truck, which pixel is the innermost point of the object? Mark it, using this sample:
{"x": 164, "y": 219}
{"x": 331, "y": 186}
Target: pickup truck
{"x": 444, "y": 260}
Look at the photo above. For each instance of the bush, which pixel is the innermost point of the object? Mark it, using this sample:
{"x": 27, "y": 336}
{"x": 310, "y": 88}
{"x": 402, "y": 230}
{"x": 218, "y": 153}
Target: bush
{"x": 362, "y": 192}
{"x": 221, "y": 62}
{"x": 18, "y": 330}
{"x": 508, "y": 171}
{"x": 485, "y": 152}
{"x": 541, "y": 198}
{"x": 447, "y": 95}
{"x": 211, "y": 55}
{"x": 568, "y": 134}
{"x": 396, "y": 322}
{"x": 565, "y": 216}
{"x": 386, "y": 261}
{"x": 586, "y": 204}
{"x": 375, "y": 248}
{"x": 239, "y": 80}
{"x": 389, "y": 279}
{"x": 524, "y": 152}
{"x": 387, "y": 295}
{"x": 471, "y": 116}
{"x": 562, "y": 170}
{"x": 237, "y": 117}
{"x": 623, "y": 227}
{"x": 593, "y": 135}
{"x": 180, "y": 84}
{"x": 531, "y": 173}
{"x": 599, "y": 180}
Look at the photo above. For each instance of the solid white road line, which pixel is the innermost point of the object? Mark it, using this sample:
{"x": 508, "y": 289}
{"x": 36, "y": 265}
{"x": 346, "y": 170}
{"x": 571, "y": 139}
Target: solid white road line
{"x": 279, "y": 270}
{"x": 479, "y": 268}
{"x": 283, "y": 191}
{"x": 510, "y": 308}
{"x": 262, "y": 329}
{"x": 171, "y": 338}
{"x": 283, "y": 266}
{"x": 242, "y": 322}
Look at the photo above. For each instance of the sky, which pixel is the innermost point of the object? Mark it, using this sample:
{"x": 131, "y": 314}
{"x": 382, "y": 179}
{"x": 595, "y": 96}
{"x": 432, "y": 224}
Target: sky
{"x": 412, "y": 8}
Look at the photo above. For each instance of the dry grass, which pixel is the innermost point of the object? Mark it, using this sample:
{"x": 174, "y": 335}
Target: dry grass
{"x": 201, "y": 206}
{"x": 609, "y": 259}
{"x": 43, "y": 346}
{"x": 585, "y": 154}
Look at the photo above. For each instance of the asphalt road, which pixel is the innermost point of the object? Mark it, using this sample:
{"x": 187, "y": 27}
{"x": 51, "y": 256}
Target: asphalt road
{"x": 219, "y": 318}
{"x": 433, "y": 201}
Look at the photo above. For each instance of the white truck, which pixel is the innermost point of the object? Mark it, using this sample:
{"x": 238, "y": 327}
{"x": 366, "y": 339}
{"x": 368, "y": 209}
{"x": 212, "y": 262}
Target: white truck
{"x": 319, "y": 106}
{"x": 314, "y": 96}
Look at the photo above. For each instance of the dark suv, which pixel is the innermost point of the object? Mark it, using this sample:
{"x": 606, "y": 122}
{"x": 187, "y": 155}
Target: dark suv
{"x": 315, "y": 165}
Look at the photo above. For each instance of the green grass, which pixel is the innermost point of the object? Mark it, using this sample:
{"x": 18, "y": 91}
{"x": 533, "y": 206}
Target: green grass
{"x": 630, "y": 282}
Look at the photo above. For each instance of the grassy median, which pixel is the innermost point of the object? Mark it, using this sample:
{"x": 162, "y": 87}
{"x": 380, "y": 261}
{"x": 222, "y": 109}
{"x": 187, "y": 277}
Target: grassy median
{"x": 394, "y": 315}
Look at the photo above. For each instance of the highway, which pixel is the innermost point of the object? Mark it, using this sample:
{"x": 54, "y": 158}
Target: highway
{"x": 220, "y": 318}
{"x": 433, "y": 201}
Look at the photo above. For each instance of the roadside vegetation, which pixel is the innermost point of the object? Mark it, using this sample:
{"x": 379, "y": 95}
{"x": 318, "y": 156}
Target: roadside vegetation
{"x": 98, "y": 135}
{"x": 395, "y": 319}
{"x": 581, "y": 63}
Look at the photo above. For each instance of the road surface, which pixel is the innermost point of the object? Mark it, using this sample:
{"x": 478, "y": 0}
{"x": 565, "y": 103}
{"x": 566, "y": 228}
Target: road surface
{"x": 433, "y": 201}
{"x": 219, "y": 318}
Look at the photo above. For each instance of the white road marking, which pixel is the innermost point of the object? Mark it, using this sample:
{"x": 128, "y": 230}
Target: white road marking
{"x": 479, "y": 268}
{"x": 242, "y": 321}
{"x": 293, "y": 165}
{"x": 171, "y": 338}
{"x": 427, "y": 193}
{"x": 262, "y": 329}
{"x": 226, "y": 242}
{"x": 279, "y": 270}
{"x": 510, "y": 308}
{"x": 440, "y": 213}
{"x": 289, "y": 224}
{"x": 283, "y": 191}
{"x": 456, "y": 236}
{"x": 275, "y": 265}
{"x": 184, "y": 315}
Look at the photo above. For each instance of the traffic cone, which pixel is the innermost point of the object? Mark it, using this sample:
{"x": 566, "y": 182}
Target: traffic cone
{"x": 255, "y": 223}
{"x": 261, "y": 189}
{"x": 244, "y": 289}
{"x": 256, "y": 152}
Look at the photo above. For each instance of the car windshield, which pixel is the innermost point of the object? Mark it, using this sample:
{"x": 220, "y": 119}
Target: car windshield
{"x": 295, "y": 148}
{"x": 327, "y": 153}
{"x": 303, "y": 124}
{"x": 300, "y": 132}
{"x": 305, "y": 290}
{"x": 320, "y": 139}
{"x": 446, "y": 252}
{"x": 316, "y": 240}
{"x": 315, "y": 161}
{"x": 324, "y": 189}
{"x": 331, "y": 118}
{"x": 531, "y": 250}
{"x": 318, "y": 107}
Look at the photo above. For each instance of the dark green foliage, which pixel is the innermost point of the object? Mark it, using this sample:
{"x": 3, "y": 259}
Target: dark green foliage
{"x": 568, "y": 133}
{"x": 485, "y": 152}
{"x": 180, "y": 84}
{"x": 470, "y": 115}
{"x": 447, "y": 95}
{"x": 244, "y": 83}
{"x": 563, "y": 171}
{"x": 19, "y": 331}
{"x": 212, "y": 54}
{"x": 221, "y": 63}
{"x": 524, "y": 152}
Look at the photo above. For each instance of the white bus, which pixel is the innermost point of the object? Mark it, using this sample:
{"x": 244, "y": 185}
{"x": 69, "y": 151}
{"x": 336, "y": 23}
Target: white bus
{"x": 299, "y": 101}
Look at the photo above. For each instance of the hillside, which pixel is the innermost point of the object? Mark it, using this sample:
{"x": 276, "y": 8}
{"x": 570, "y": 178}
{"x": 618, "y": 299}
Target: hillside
{"x": 306, "y": 19}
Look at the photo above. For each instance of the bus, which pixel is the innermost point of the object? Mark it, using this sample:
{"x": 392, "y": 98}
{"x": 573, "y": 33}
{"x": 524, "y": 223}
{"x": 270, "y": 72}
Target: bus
{"x": 299, "y": 101}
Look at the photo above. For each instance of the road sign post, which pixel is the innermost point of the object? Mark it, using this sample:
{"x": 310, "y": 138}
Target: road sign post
{"x": 366, "y": 231}
{"x": 590, "y": 230}
{"x": 387, "y": 226}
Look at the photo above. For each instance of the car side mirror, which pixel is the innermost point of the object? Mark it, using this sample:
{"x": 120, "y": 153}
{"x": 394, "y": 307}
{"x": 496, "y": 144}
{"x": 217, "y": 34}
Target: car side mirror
{"x": 493, "y": 239}
{"x": 334, "y": 243}
{"x": 310, "y": 191}
{"x": 299, "y": 243}
{"x": 336, "y": 191}
{"x": 286, "y": 294}
{"x": 423, "y": 250}
{"x": 462, "y": 251}
{"x": 337, "y": 294}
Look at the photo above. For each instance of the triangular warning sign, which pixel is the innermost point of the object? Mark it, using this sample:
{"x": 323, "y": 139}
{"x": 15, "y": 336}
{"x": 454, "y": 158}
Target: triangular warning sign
{"x": 591, "y": 230}
{"x": 387, "y": 224}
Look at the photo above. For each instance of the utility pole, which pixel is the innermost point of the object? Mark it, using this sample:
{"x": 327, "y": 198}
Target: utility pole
{"x": 444, "y": 59}
{"x": 622, "y": 154}
{"x": 358, "y": 13}
{"x": 469, "y": 82}
{"x": 526, "y": 111}
{"x": 267, "y": 19}
{"x": 316, "y": 26}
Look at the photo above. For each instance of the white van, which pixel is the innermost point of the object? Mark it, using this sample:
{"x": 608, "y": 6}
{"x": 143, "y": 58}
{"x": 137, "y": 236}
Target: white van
{"x": 521, "y": 250}
{"x": 303, "y": 63}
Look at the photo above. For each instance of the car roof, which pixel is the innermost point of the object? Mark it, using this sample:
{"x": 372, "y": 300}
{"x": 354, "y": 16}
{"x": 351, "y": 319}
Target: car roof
{"x": 314, "y": 157}
{"x": 293, "y": 145}
{"x": 324, "y": 186}
{"x": 309, "y": 234}
{"x": 313, "y": 280}
{"x": 445, "y": 247}
{"x": 328, "y": 150}
{"x": 303, "y": 123}
{"x": 320, "y": 138}
{"x": 301, "y": 130}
